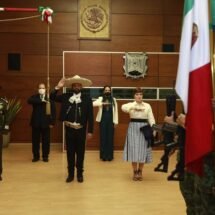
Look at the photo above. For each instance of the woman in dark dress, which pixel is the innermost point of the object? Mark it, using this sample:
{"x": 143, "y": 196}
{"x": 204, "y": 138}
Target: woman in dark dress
{"x": 107, "y": 117}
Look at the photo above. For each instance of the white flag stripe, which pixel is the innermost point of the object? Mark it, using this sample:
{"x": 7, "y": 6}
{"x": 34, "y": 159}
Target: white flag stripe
{"x": 200, "y": 53}
{"x": 198, "y": 56}
{"x": 182, "y": 80}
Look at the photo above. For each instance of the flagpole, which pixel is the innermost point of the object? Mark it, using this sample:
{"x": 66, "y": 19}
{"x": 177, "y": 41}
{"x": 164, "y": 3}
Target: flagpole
{"x": 212, "y": 52}
{"x": 48, "y": 105}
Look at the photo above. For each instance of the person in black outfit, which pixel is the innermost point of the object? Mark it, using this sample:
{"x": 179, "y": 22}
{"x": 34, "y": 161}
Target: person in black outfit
{"x": 41, "y": 123}
{"x": 77, "y": 115}
{"x": 1, "y": 160}
{"x": 107, "y": 117}
{"x": 3, "y": 108}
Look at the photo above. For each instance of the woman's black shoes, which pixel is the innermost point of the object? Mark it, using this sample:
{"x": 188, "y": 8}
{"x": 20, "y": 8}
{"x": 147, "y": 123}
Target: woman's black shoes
{"x": 70, "y": 178}
{"x": 80, "y": 179}
{"x": 35, "y": 159}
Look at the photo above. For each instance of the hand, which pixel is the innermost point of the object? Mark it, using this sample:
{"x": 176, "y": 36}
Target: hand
{"x": 89, "y": 135}
{"x": 181, "y": 120}
{"x": 105, "y": 103}
{"x": 139, "y": 109}
{"x": 169, "y": 119}
{"x": 136, "y": 109}
{"x": 176, "y": 138}
{"x": 61, "y": 83}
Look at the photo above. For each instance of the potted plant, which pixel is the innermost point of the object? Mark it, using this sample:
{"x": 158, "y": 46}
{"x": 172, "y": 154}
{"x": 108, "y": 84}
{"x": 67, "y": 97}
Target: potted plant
{"x": 13, "y": 106}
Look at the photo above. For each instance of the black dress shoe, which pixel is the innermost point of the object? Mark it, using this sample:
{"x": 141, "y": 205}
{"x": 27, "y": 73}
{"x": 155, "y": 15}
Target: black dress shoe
{"x": 45, "y": 159}
{"x": 35, "y": 159}
{"x": 70, "y": 178}
{"x": 0, "y": 178}
{"x": 80, "y": 179}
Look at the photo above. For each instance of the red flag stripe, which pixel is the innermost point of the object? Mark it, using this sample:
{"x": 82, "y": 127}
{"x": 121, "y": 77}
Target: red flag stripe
{"x": 199, "y": 118}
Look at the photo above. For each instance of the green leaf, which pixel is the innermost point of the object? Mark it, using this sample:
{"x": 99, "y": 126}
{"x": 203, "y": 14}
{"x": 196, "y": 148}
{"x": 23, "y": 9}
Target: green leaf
{"x": 13, "y": 107}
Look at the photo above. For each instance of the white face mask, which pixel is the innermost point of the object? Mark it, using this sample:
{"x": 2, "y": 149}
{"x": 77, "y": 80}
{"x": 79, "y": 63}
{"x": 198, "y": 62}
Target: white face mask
{"x": 42, "y": 91}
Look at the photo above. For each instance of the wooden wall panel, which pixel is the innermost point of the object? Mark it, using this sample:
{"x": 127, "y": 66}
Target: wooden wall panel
{"x": 33, "y": 25}
{"x": 123, "y": 117}
{"x": 95, "y": 45}
{"x": 63, "y": 42}
{"x": 173, "y": 7}
{"x": 119, "y": 136}
{"x": 21, "y": 132}
{"x": 172, "y": 22}
{"x": 23, "y": 43}
{"x": 153, "y": 65}
{"x": 36, "y": 44}
{"x": 64, "y": 23}
{"x": 136, "y": 43}
{"x": 168, "y": 65}
{"x": 172, "y": 40}
{"x": 125, "y": 43}
{"x": 87, "y": 64}
{"x": 37, "y": 65}
{"x": 94, "y": 142}
{"x": 64, "y": 5}
{"x": 100, "y": 81}
{"x": 161, "y": 111}
{"x": 172, "y": 25}
{"x": 117, "y": 62}
{"x": 137, "y": 6}
{"x": 137, "y": 25}
{"x": 14, "y": 84}
{"x": 149, "y": 24}
{"x": 167, "y": 70}
{"x": 128, "y": 82}
{"x": 167, "y": 82}
{"x": 3, "y": 63}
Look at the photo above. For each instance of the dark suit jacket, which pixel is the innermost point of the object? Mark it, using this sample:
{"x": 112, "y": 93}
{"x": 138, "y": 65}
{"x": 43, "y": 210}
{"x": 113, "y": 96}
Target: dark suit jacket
{"x": 86, "y": 118}
{"x": 39, "y": 117}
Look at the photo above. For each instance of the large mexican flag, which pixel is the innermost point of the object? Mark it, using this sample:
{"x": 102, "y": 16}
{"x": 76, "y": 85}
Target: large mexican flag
{"x": 194, "y": 84}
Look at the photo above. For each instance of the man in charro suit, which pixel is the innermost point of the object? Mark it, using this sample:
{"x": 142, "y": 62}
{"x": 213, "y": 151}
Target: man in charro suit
{"x": 77, "y": 115}
{"x": 41, "y": 122}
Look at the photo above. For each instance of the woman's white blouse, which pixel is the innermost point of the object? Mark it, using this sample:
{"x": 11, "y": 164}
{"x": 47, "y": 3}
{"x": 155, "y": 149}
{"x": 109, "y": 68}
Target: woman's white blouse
{"x": 144, "y": 111}
{"x": 98, "y": 103}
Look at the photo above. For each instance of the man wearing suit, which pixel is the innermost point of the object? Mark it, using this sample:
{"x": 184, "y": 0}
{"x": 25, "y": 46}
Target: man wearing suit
{"x": 77, "y": 115}
{"x": 41, "y": 122}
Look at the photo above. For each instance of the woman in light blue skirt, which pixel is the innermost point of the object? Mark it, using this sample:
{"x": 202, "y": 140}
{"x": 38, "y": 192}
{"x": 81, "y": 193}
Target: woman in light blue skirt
{"x": 137, "y": 149}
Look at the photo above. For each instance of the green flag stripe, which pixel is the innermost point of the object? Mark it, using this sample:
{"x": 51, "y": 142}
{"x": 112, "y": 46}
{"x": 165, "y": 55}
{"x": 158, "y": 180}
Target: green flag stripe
{"x": 212, "y": 7}
{"x": 188, "y": 5}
